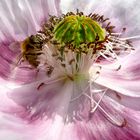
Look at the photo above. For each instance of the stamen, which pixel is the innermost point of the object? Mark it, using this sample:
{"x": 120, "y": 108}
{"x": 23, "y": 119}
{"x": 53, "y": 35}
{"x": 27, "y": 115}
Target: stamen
{"x": 131, "y": 38}
{"x": 115, "y": 33}
{"x": 95, "y": 107}
{"x": 111, "y": 52}
{"x": 83, "y": 92}
{"x": 112, "y": 119}
{"x": 117, "y": 95}
{"x": 50, "y": 82}
{"x": 114, "y": 67}
{"x": 102, "y": 54}
{"x": 118, "y": 68}
{"x": 38, "y": 88}
{"x": 98, "y": 90}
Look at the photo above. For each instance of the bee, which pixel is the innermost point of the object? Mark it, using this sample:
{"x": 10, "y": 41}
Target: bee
{"x": 31, "y": 48}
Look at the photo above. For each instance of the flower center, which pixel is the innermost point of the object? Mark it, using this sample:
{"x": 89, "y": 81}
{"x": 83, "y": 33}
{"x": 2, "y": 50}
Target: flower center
{"x": 66, "y": 47}
{"x": 72, "y": 43}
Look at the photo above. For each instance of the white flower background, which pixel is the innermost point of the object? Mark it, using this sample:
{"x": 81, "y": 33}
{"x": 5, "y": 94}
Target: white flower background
{"x": 21, "y": 18}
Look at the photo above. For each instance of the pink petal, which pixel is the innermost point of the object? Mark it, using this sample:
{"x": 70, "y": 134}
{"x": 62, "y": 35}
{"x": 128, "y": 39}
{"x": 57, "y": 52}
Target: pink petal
{"x": 38, "y": 110}
{"x": 9, "y": 57}
{"x": 46, "y": 107}
{"x": 127, "y": 80}
{"x": 20, "y": 19}
{"x": 42, "y": 99}
{"x": 99, "y": 128}
{"x": 127, "y": 101}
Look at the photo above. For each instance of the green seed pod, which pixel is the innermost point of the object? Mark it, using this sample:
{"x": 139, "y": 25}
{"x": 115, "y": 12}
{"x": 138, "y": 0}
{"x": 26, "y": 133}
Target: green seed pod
{"x": 78, "y": 29}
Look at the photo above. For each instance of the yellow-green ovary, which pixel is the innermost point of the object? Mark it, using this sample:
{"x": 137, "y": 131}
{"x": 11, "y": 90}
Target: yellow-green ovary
{"x": 77, "y": 29}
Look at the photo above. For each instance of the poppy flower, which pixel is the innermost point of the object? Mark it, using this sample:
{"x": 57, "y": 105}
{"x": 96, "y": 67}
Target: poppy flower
{"x": 69, "y": 70}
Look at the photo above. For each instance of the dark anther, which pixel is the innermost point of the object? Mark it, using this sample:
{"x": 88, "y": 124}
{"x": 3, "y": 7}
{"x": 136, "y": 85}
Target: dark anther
{"x": 124, "y": 123}
{"x": 40, "y": 86}
{"x": 124, "y": 29}
{"x": 98, "y": 72}
{"x": 71, "y": 13}
{"x": 90, "y": 15}
{"x": 108, "y": 24}
{"x": 60, "y": 58}
{"x": 77, "y": 11}
{"x": 99, "y": 42}
{"x": 105, "y": 19}
{"x": 71, "y": 61}
{"x": 118, "y": 68}
{"x": 50, "y": 70}
{"x": 94, "y": 51}
{"x": 129, "y": 43}
{"x": 80, "y": 13}
{"x": 54, "y": 54}
{"x": 101, "y": 18}
{"x": 117, "y": 95}
{"x": 111, "y": 27}
{"x": 97, "y": 37}
{"x": 70, "y": 77}
{"x": 63, "y": 65}
{"x": 132, "y": 49}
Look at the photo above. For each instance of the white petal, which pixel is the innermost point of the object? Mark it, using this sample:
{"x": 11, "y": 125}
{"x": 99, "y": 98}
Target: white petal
{"x": 20, "y": 19}
{"x": 127, "y": 80}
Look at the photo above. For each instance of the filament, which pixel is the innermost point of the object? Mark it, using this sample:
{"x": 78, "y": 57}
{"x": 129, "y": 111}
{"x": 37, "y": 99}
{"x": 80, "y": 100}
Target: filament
{"x": 83, "y": 92}
{"x": 131, "y": 38}
{"x": 50, "y": 82}
{"x": 95, "y": 107}
{"x": 110, "y": 118}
